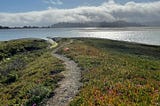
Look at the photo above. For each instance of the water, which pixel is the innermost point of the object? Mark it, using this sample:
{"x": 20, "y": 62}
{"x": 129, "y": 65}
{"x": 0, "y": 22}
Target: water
{"x": 150, "y": 35}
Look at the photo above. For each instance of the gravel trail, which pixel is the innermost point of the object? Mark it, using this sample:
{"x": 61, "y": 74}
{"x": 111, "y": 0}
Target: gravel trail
{"x": 69, "y": 86}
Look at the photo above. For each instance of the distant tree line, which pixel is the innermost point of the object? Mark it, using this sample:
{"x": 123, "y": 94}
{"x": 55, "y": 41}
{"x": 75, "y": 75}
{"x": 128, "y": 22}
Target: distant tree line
{"x": 23, "y": 27}
{"x": 4, "y": 27}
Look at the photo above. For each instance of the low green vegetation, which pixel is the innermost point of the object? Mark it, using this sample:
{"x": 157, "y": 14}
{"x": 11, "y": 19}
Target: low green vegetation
{"x": 113, "y": 73}
{"x": 10, "y": 48}
{"x": 28, "y": 72}
{"x": 116, "y": 73}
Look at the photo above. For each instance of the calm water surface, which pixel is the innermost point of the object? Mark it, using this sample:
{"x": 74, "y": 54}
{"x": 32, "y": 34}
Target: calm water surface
{"x": 150, "y": 35}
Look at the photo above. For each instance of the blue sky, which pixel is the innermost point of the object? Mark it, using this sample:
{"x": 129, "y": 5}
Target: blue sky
{"x": 38, "y": 5}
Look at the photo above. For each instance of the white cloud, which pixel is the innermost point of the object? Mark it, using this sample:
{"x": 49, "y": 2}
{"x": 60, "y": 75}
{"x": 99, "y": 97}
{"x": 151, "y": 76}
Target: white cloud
{"x": 108, "y": 11}
{"x": 53, "y": 2}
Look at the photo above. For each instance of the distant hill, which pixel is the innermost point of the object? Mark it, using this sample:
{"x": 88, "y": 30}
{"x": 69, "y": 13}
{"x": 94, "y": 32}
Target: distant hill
{"x": 96, "y": 24}
{"x": 86, "y": 24}
{"x": 153, "y": 24}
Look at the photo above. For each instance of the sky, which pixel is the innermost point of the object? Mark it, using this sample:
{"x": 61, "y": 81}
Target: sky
{"x": 38, "y": 5}
{"x": 47, "y": 12}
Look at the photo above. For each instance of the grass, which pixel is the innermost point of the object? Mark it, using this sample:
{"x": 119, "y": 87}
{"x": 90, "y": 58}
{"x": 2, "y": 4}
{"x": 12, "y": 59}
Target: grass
{"x": 116, "y": 73}
{"x": 10, "y": 48}
{"x": 29, "y": 74}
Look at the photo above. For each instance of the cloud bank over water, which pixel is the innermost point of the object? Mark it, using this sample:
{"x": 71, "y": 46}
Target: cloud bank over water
{"x": 108, "y": 11}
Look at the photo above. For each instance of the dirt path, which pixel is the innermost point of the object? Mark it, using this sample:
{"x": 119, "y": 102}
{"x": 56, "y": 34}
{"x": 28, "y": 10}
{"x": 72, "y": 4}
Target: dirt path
{"x": 69, "y": 85}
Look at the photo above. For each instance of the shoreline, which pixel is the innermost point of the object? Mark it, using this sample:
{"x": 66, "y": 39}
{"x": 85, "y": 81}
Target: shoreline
{"x": 122, "y": 41}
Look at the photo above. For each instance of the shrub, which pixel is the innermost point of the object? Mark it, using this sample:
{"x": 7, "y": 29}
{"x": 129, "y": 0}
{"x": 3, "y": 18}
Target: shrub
{"x": 37, "y": 94}
{"x": 11, "y": 78}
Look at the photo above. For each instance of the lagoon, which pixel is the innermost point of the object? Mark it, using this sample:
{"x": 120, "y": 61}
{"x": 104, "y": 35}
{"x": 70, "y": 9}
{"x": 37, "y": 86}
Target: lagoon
{"x": 144, "y": 35}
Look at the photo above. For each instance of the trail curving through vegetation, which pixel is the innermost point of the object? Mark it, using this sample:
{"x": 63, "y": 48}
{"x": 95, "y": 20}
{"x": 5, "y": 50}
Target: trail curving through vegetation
{"x": 70, "y": 85}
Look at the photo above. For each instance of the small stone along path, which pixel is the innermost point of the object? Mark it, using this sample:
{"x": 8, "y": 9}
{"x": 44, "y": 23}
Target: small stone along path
{"x": 69, "y": 86}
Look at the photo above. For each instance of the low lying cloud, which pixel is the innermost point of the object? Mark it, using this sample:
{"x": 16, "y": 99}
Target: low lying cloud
{"x": 108, "y": 11}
